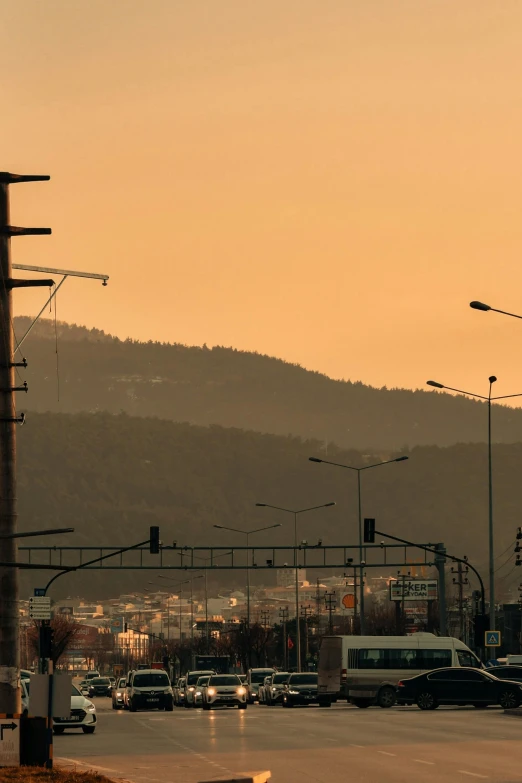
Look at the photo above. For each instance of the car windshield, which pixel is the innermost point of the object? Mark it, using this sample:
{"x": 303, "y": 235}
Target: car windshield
{"x": 203, "y": 680}
{"x": 193, "y": 678}
{"x": 121, "y": 683}
{"x": 151, "y": 681}
{"x": 303, "y": 679}
{"x": 281, "y": 677}
{"x": 259, "y": 677}
{"x": 225, "y": 679}
{"x": 100, "y": 681}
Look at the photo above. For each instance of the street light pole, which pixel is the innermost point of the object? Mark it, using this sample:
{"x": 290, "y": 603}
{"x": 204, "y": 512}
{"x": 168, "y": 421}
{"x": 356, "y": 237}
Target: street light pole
{"x": 491, "y": 540}
{"x": 486, "y": 308}
{"x": 296, "y": 565}
{"x": 359, "y": 513}
{"x": 247, "y": 533}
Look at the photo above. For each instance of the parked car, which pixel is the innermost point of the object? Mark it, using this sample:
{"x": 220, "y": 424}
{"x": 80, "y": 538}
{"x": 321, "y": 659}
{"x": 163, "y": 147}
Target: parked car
{"x": 149, "y": 689}
{"x": 224, "y": 690}
{"x": 178, "y": 692}
{"x": 100, "y": 686}
{"x": 301, "y": 689}
{"x": 83, "y": 712}
{"x": 118, "y": 695}
{"x": 255, "y": 678}
{"x": 200, "y": 687}
{"x": 83, "y": 687}
{"x": 274, "y": 689}
{"x": 458, "y": 686}
{"x": 190, "y": 685}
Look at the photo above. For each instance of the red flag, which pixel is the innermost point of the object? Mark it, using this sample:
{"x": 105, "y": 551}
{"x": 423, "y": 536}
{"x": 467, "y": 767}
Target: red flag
{"x": 290, "y": 644}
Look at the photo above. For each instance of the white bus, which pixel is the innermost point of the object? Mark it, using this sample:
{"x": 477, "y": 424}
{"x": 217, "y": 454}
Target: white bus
{"x": 365, "y": 670}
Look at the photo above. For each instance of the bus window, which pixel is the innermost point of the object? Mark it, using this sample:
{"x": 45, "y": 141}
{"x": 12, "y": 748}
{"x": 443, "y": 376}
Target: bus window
{"x": 434, "y": 659}
{"x": 466, "y": 658}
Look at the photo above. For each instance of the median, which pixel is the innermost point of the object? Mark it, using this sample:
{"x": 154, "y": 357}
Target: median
{"x": 39, "y": 775}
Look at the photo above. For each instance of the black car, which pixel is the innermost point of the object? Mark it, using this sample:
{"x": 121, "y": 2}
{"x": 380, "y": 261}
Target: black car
{"x": 100, "y": 686}
{"x": 506, "y": 672}
{"x": 301, "y": 689}
{"x": 459, "y": 685}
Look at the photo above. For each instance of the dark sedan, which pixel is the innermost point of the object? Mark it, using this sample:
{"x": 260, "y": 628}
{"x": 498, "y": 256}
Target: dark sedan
{"x": 100, "y": 686}
{"x": 301, "y": 689}
{"x": 458, "y": 686}
{"x": 506, "y": 672}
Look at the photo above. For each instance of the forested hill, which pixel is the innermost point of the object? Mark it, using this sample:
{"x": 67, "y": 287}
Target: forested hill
{"x": 239, "y": 389}
{"x": 110, "y": 477}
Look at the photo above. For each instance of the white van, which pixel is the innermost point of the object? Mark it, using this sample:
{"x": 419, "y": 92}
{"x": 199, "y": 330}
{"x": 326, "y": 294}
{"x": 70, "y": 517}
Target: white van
{"x": 365, "y": 670}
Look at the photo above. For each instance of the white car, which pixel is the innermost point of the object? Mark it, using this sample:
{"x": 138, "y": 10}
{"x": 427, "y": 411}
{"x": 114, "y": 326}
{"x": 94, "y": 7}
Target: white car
{"x": 83, "y": 711}
{"x": 224, "y": 690}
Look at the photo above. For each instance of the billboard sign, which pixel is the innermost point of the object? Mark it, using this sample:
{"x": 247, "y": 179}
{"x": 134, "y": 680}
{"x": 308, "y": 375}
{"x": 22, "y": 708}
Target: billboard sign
{"x": 414, "y": 590}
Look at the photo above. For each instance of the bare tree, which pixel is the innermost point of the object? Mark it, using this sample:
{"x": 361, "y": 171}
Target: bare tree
{"x": 65, "y": 631}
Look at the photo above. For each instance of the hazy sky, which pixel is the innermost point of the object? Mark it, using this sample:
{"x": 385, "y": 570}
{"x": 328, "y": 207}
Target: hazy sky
{"x": 327, "y": 181}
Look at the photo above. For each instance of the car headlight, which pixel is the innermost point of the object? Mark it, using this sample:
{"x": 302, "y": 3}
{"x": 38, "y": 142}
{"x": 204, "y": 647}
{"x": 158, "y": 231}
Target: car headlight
{"x": 168, "y": 690}
{"x": 241, "y": 690}
{"x": 91, "y": 707}
{"x": 119, "y": 694}
{"x": 191, "y": 689}
{"x": 136, "y": 690}
{"x": 273, "y": 688}
{"x": 211, "y": 691}
{"x": 198, "y": 693}
{"x": 294, "y": 693}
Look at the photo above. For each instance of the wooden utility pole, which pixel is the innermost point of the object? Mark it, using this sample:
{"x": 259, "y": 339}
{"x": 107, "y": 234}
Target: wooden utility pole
{"x": 330, "y": 601}
{"x": 9, "y": 609}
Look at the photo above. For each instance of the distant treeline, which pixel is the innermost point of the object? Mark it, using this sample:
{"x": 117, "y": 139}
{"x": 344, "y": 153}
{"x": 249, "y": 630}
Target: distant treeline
{"x": 110, "y": 477}
{"x": 240, "y": 389}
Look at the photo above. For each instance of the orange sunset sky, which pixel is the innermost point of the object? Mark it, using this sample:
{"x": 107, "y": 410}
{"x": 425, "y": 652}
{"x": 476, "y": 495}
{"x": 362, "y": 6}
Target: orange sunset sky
{"x": 326, "y": 181}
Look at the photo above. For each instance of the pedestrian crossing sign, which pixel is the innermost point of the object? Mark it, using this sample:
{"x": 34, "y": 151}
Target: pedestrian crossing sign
{"x": 493, "y": 639}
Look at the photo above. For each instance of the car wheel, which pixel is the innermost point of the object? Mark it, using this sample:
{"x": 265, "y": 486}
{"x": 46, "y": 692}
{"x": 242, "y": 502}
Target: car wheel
{"x": 480, "y": 706}
{"x": 426, "y": 701}
{"x": 58, "y": 729}
{"x": 88, "y": 729}
{"x": 206, "y": 706}
{"x": 132, "y": 706}
{"x": 325, "y": 703}
{"x": 362, "y": 703}
{"x": 186, "y": 704}
{"x": 509, "y": 699}
{"x": 241, "y": 706}
{"x": 169, "y": 708}
{"x": 386, "y": 697}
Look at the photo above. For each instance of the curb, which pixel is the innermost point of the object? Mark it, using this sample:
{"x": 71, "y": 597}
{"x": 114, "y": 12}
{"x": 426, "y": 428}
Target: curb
{"x": 514, "y": 713}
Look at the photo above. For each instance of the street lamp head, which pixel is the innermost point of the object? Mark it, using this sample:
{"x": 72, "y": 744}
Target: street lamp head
{"x": 492, "y": 378}
{"x": 220, "y": 527}
{"x": 314, "y": 459}
{"x": 260, "y": 504}
{"x": 329, "y": 504}
{"x": 480, "y": 306}
{"x": 401, "y": 459}
{"x": 435, "y": 384}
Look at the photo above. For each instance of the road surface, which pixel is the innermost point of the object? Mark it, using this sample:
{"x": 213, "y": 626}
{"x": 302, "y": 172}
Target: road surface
{"x": 299, "y": 745}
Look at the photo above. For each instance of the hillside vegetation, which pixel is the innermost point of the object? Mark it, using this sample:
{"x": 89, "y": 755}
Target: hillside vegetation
{"x": 110, "y": 477}
{"x": 244, "y": 390}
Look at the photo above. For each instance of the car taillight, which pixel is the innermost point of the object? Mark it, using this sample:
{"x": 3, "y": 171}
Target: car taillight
{"x": 400, "y": 684}
{"x": 344, "y": 674}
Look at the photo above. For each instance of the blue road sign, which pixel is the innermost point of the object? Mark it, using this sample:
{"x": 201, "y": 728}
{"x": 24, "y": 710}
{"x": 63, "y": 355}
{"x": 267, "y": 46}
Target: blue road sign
{"x": 492, "y": 639}
{"x": 39, "y": 591}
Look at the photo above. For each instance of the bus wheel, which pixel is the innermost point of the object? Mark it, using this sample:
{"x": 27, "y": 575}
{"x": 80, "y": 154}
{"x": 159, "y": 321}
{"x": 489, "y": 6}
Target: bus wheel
{"x": 386, "y": 697}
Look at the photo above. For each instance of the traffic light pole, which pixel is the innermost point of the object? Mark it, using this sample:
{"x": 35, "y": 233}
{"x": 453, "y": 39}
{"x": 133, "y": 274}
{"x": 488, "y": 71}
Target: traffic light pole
{"x": 440, "y": 552}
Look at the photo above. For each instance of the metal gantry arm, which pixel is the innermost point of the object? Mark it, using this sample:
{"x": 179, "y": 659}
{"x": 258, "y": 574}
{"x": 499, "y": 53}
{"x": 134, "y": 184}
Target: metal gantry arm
{"x": 66, "y": 273}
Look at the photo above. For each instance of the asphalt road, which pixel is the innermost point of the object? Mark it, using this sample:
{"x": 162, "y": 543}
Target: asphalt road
{"x": 302, "y": 744}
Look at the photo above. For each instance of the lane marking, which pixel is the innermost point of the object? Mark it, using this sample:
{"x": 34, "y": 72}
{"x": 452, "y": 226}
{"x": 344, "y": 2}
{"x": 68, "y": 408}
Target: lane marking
{"x": 472, "y": 774}
{"x": 85, "y": 764}
{"x": 353, "y": 745}
{"x": 385, "y": 753}
{"x": 421, "y": 761}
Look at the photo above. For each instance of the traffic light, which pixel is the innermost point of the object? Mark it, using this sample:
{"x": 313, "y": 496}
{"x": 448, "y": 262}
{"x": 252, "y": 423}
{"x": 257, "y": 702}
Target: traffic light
{"x": 369, "y": 531}
{"x": 480, "y": 626}
{"x": 125, "y": 627}
{"x": 154, "y": 541}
